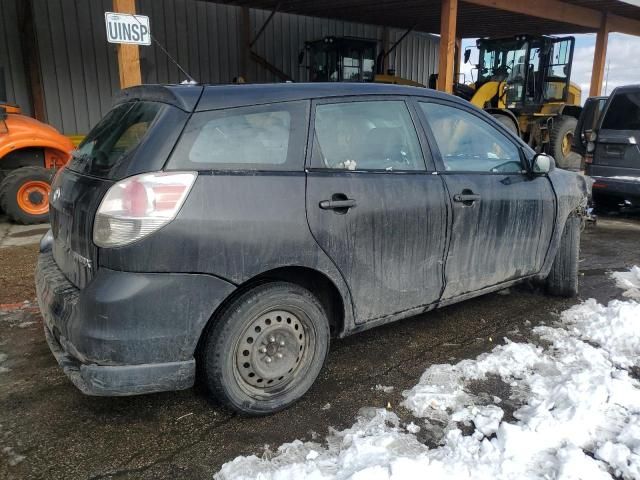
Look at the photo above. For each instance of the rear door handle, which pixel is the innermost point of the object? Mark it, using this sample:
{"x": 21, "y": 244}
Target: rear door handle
{"x": 337, "y": 204}
{"x": 466, "y": 198}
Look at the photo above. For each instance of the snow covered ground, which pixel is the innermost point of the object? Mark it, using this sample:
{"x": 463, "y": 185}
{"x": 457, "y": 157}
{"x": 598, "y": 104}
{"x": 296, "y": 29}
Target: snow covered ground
{"x": 578, "y": 417}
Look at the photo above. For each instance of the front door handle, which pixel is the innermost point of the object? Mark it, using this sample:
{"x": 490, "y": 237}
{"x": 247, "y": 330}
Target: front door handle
{"x": 466, "y": 197}
{"x": 337, "y": 204}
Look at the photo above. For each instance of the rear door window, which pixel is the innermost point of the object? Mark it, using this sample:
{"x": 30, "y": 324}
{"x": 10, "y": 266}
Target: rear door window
{"x": 366, "y": 135}
{"x": 265, "y": 137}
{"x": 623, "y": 112}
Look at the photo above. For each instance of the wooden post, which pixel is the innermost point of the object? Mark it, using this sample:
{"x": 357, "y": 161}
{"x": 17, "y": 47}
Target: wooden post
{"x": 31, "y": 61}
{"x": 128, "y": 55}
{"x": 245, "y": 43}
{"x": 448, "y": 18}
{"x": 456, "y": 65}
{"x": 386, "y": 44}
{"x": 599, "y": 58}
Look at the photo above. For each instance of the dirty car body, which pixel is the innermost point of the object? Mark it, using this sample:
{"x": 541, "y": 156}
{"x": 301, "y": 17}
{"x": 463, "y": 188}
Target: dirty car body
{"x": 371, "y": 198}
{"x": 611, "y": 150}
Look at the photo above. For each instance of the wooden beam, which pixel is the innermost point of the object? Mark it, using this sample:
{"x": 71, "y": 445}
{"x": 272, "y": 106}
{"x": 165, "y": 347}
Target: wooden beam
{"x": 446, "y": 62}
{"x": 549, "y": 9}
{"x": 620, "y": 24}
{"x": 128, "y": 55}
{"x": 599, "y": 58}
{"x": 563, "y": 12}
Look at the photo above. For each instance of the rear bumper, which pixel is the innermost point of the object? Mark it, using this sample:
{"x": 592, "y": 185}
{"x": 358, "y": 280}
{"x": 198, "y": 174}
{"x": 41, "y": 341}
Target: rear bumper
{"x": 126, "y": 333}
{"x": 122, "y": 380}
{"x": 613, "y": 187}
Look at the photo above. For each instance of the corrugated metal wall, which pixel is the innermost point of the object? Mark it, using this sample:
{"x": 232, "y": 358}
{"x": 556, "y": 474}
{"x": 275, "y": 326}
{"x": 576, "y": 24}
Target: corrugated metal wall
{"x": 205, "y": 39}
{"x": 11, "y": 55}
{"x": 416, "y": 57}
{"x": 79, "y": 68}
{"x": 80, "y": 73}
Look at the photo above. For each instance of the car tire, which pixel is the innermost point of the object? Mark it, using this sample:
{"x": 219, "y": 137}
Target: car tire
{"x": 560, "y": 139}
{"x": 563, "y": 278}
{"x": 265, "y": 349}
{"x": 24, "y": 195}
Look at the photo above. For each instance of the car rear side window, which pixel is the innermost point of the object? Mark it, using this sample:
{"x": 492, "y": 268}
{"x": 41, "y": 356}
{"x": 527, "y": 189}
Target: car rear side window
{"x": 366, "y": 135}
{"x": 623, "y": 112}
{"x": 266, "y": 137}
{"x": 468, "y": 143}
{"x": 116, "y": 135}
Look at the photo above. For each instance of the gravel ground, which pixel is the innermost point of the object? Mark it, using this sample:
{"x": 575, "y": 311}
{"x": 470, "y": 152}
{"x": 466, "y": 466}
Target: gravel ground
{"x": 49, "y": 430}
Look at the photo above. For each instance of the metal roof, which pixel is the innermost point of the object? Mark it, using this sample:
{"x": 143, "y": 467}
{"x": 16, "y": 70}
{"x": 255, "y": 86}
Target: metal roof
{"x": 424, "y": 15}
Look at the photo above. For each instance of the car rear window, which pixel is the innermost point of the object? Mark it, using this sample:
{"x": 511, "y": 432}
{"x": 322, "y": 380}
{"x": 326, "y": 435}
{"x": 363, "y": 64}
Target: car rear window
{"x": 265, "y": 137}
{"x": 623, "y": 113}
{"x": 115, "y": 136}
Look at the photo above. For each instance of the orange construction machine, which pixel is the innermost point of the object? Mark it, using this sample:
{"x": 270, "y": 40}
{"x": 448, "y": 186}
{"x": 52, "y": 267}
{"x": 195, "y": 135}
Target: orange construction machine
{"x": 30, "y": 153}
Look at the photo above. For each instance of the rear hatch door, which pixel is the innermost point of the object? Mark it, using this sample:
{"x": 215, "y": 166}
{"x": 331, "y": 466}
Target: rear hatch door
{"x": 617, "y": 153}
{"x": 134, "y": 137}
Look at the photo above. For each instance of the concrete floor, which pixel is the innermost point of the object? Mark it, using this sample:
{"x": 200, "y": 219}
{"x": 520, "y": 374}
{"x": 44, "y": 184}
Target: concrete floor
{"x": 49, "y": 430}
{"x": 12, "y": 235}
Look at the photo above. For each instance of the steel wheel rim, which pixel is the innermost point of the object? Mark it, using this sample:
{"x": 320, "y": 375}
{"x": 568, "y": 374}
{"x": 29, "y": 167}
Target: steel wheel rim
{"x": 274, "y": 349}
{"x": 33, "y": 197}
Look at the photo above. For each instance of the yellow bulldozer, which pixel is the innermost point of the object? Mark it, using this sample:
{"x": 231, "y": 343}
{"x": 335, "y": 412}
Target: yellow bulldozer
{"x": 525, "y": 83}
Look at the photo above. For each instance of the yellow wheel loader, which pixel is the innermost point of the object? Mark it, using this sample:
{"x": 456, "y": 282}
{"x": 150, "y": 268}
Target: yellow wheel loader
{"x": 350, "y": 59}
{"x": 525, "y": 83}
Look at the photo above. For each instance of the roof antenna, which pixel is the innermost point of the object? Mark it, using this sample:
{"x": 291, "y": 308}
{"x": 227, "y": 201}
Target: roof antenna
{"x": 190, "y": 79}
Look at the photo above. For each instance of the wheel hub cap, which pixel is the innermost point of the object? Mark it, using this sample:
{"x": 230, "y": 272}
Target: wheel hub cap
{"x": 271, "y": 349}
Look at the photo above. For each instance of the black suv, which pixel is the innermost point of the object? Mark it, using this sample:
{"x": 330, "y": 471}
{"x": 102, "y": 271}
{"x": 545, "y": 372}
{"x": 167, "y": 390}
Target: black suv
{"x": 608, "y": 139}
{"x": 236, "y": 229}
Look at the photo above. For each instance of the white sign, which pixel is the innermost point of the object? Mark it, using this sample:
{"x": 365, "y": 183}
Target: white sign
{"x": 125, "y": 28}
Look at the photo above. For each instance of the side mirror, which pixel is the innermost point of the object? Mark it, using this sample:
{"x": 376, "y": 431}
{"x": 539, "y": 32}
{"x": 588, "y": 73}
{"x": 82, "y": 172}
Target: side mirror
{"x": 543, "y": 163}
{"x": 467, "y": 55}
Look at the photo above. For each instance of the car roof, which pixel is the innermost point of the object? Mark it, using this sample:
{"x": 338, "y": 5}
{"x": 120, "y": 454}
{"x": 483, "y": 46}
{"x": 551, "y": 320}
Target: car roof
{"x": 225, "y": 96}
{"x": 211, "y": 97}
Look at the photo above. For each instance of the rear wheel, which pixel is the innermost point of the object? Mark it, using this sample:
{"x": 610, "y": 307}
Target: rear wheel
{"x": 24, "y": 194}
{"x": 561, "y": 138}
{"x": 266, "y": 348}
{"x": 563, "y": 278}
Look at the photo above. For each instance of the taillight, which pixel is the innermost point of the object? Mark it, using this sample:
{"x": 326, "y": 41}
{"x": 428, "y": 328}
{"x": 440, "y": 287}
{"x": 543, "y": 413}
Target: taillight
{"x": 138, "y": 206}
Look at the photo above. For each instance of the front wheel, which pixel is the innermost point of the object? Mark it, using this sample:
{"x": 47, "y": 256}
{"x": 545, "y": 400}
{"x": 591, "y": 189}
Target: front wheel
{"x": 563, "y": 278}
{"x": 265, "y": 349}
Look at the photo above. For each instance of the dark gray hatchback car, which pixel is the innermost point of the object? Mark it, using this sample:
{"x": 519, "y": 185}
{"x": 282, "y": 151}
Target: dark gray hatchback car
{"x": 234, "y": 230}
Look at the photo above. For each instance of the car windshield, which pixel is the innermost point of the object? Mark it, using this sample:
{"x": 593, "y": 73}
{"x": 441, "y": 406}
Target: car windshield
{"x": 117, "y": 134}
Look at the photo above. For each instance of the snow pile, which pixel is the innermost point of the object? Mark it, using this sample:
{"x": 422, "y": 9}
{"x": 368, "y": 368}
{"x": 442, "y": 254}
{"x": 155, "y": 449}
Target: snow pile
{"x": 578, "y": 417}
{"x": 629, "y": 281}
